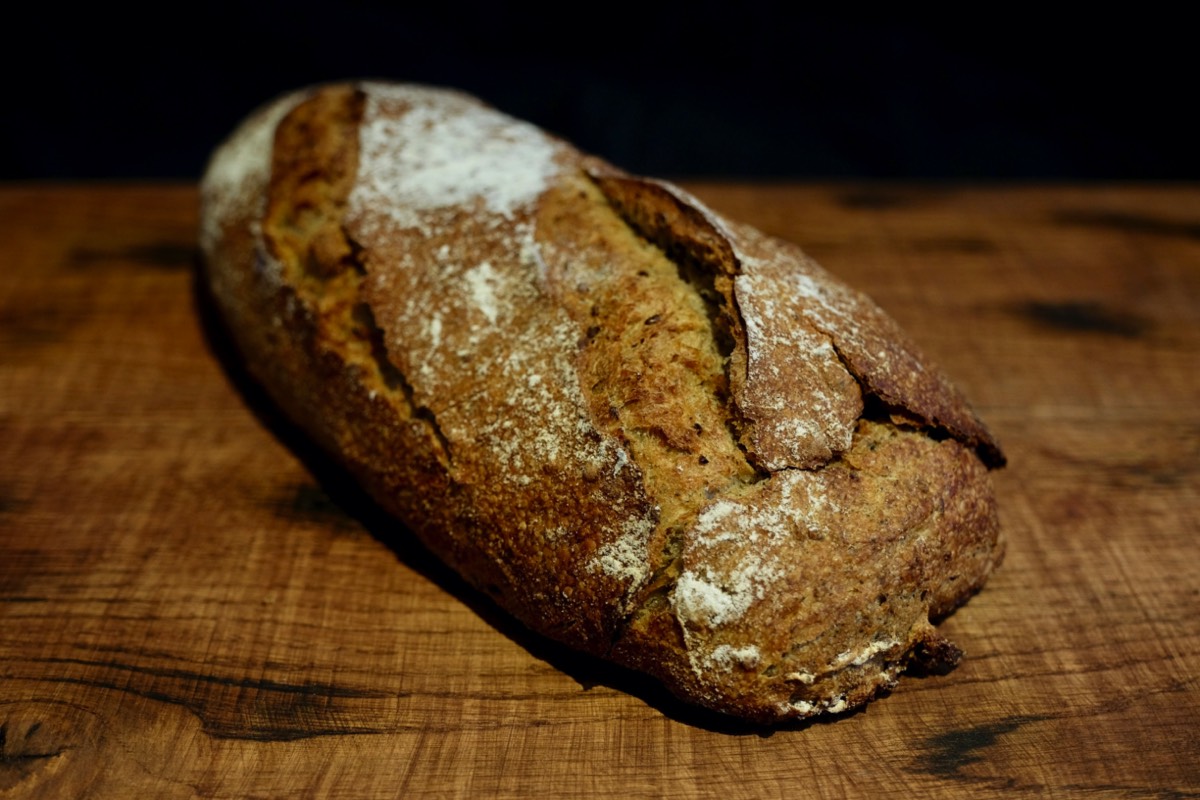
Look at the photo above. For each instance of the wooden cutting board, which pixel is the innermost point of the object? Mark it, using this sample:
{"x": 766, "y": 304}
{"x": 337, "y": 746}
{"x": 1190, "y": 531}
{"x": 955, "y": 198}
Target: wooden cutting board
{"x": 193, "y": 603}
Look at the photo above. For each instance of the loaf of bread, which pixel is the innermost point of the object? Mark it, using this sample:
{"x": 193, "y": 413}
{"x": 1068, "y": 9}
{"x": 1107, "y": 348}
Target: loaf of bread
{"x": 645, "y": 430}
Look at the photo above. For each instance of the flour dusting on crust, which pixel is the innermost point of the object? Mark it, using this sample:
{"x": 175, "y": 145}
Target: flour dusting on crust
{"x": 424, "y": 150}
{"x": 444, "y": 203}
{"x": 731, "y": 558}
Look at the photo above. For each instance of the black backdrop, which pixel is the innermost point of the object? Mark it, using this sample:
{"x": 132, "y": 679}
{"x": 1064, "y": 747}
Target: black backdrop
{"x": 670, "y": 89}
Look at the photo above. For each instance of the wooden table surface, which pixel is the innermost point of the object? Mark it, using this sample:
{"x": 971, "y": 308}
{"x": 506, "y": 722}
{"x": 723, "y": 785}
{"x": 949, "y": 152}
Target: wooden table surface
{"x": 195, "y": 604}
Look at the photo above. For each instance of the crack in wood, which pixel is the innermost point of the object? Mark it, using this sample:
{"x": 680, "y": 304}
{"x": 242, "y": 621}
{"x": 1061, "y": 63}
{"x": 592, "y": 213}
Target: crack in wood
{"x": 17, "y": 762}
{"x": 164, "y": 255}
{"x": 1081, "y": 316}
{"x": 1126, "y": 222}
{"x": 946, "y": 754}
{"x": 297, "y": 711}
{"x": 306, "y": 688}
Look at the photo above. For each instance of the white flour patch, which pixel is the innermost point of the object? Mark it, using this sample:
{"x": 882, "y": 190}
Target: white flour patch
{"x": 481, "y": 284}
{"x": 446, "y": 151}
{"x": 627, "y": 557}
{"x": 709, "y": 601}
{"x": 726, "y": 657}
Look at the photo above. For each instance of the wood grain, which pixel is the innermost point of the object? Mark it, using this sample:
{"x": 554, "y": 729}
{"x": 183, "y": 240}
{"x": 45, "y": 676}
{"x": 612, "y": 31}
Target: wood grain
{"x": 193, "y": 603}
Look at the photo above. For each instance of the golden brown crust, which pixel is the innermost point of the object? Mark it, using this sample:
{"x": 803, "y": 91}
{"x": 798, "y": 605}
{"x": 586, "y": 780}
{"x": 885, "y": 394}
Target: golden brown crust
{"x": 648, "y": 432}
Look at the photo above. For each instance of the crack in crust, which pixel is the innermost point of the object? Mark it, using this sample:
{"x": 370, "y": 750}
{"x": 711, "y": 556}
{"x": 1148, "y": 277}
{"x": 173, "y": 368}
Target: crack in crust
{"x": 315, "y": 161}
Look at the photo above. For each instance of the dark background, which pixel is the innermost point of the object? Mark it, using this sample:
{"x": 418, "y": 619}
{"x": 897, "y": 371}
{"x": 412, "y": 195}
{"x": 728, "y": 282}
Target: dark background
{"x": 668, "y": 89}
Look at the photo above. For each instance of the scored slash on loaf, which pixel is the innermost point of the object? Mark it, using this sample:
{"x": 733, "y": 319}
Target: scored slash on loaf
{"x": 646, "y": 431}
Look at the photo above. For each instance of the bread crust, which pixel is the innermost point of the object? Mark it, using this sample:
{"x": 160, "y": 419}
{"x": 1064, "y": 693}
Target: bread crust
{"x": 649, "y": 432}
